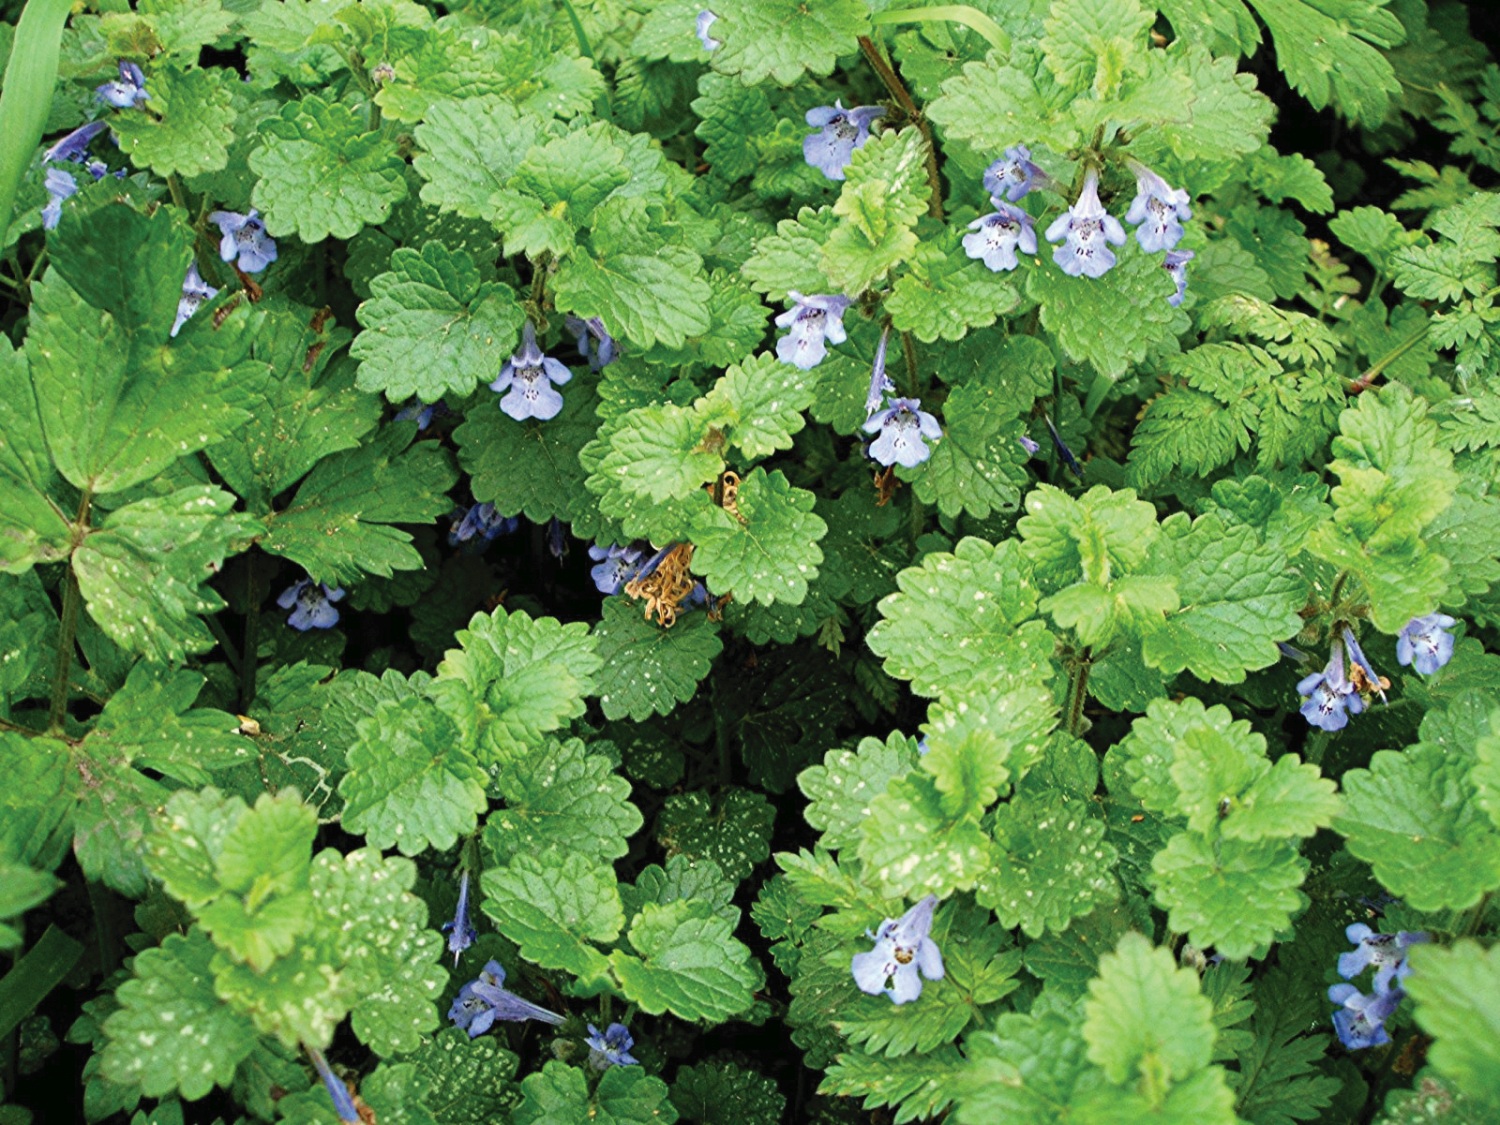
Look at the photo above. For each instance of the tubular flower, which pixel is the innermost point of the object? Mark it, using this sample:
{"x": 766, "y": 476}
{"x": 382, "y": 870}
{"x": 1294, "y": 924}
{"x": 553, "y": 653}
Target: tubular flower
{"x": 482, "y": 525}
{"x": 903, "y": 955}
{"x": 1084, "y": 231}
{"x": 61, "y": 185}
{"x": 1157, "y": 211}
{"x": 705, "y": 21}
{"x": 880, "y": 382}
{"x": 1363, "y": 675}
{"x": 841, "y": 132}
{"x": 531, "y": 379}
{"x": 902, "y": 429}
{"x": 998, "y": 235}
{"x": 73, "y": 148}
{"x": 617, "y": 565}
{"x": 194, "y": 292}
{"x": 595, "y": 343}
{"x": 1387, "y": 952}
{"x": 245, "y": 238}
{"x": 343, "y": 1104}
{"x": 1425, "y": 644}
{"x": 460, "y": 931}
{"x": 1175, "y": 263}
{"x": 125, "y": 92}
{"x": 812, "y": 320}
{"x": 1013, "y": 175}
{"x": 610, "y": 1047}
{"x": 1329, "y": 698}
{"x": 311, "y": 605}
{"x": 1360, "y": 1020}
{"x": 483, "y": 1001}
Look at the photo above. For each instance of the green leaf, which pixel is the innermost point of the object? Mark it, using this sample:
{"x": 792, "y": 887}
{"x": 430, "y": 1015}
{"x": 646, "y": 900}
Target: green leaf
{"x": 573, "y": 173}
{"x": 917, "y": 1087}
{"x": 118, "y": 405}
{"x": 782, "y": 39}
{"x": 21, "y": 888}
{"x": 962, "y": 618}
{"x": 657, "y": 452}
{"x": 470, "y": 150}
{"x": 626, "y": 1095}
{"x": 689, "y": 963}
{"x": 141, "y": 571}
{"x": 1335, "y": 58}
{"x": 32, "y": 527}
{"x": 244, "y": 872}
{"x": 1396, "y": 478}
{"x": 1414, "y": 817}
{"x": 553, "y": 905}
{"x": 321, "y": 173}
{"x": 646, "y": 291}
{"x": 978, "y": 743}
{"x": 300, "y": 411}
{"x": 910, "y": 847}
{"x": 759, "y": 404}
{"x": 1084, "y": 38}
{"x": 770, "y": 552}
{"x": 945, "y": 293}
{"x": 646, "y": 669}
{"x": 1291, "y": 799}
{"x": 432, "y": 327}
{"x": 1457, "y": 994}
{"x": 840, "y": 791}
{"x": 721, "y": 1093}
{"x": 190, "y": 125}
{"x": 1173, "y": 1043}
{"x": 174, "y": 27}
{"x": 470, "y": 1081}
{"x": 413, "y": 782}
{"x": 690, "y": 880}
{"x": 1112, "y": 321}
{"x": 1240, "y": 598}
{"x": 788, "y": 259}
{"x": 1233, "y": 895}
{"x": 561, "y": 795}
{"x": 1228, "y": 117}
{"x": 171, "y": 1032}
{"x": 994, "y": 104}
{"x": 1023, "y": 1069}
{"x": 1052, "y": 865}
{"x": 979, "y": 466}
{"x": 884, "y": 193}
{"x": 530, "y": 676}
{"x": 733, "y": 828}
{"x": 1096, "y": 537}
{"x": 338, "y": 525}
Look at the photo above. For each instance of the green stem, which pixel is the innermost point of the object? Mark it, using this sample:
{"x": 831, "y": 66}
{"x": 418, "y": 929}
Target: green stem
{"x": 175, "y": 187}
{"x": 374, "y": 116}
{"x": 897, "y": 88}
{"x": 35, "y": 975}
{"x": 106, "y": 934}
{"x": 972, "y": 18}
{"x": 248, "y": 653}
{"x": 36, "y": 267}
{"x": 603, "y": 105}
{"x": 1077, "y": 690}
{"x": 1373, "y": 372}
{"x": 225, "y": 643}
{"x": 909, "y": 350}
{"x": 68, "y": 626}
{"x": 26, "y": 97}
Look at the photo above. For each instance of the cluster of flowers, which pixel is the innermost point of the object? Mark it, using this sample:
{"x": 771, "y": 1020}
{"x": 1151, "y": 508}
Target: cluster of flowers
{"x": 484, "y": 1000}
{"x": 1086, "y": 230}
{"x": 1360, "y": 1019}
{"x": 1330, "y": 696}
{"x": 621, "y": 566}
{"x": 529, "y": 379}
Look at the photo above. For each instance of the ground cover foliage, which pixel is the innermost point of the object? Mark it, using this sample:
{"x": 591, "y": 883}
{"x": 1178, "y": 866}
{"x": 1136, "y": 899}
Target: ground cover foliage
{"x": 622, "y": 561}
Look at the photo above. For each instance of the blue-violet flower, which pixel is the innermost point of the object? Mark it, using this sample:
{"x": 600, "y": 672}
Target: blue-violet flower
{"x": 343, "y": 1104}
{"x": 611, "y": 1048}
{"x": 997, "y": 235}
{"x": 1423, "y": 643}
{"x": 1013, "y": 175}
{"x": 245, "y": 238}
{"x": 1175, "y": 263}
{"x": 74, "y": 147}
{"x": 841, "y": 131}
{"x": 595, "y": 343}
{"x": 812, "y": 321}
{"x": 1387, "y": 952}
{"x": 481, "y": 524}
{"x": 1030, "y": 446}
{"x": 194, "y": 292}
{"x": 557, "y": 540}
{"x": 1363, "y": 675}
{"x": 126, "y": 91}
{"x": 1330, "y": 698}
{"x": 1062, "y": 450}
{"x": 1083, "y": 230}
{"x": 419, "y": 412}
{"x": 1158, "y": 210}
{"x": 460, "y": 931}
{"x": 617, "y": 565}
{"x": 313, "y": 604}
{"x": 532, "y": 380}
{"x": 705, "y": 21}
{"x": 902, "y": 428}
{"x": 1360, "y": 1020}
{"x": 903, "y": 954}
{"x": 880, "y": 382}
{"x": 482, "y": 1001}
{"x": 60, "y": 185}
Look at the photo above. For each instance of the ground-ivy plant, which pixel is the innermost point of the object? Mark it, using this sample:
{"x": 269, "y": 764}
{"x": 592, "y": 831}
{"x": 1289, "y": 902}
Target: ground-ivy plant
{"x": 792, "y": 561}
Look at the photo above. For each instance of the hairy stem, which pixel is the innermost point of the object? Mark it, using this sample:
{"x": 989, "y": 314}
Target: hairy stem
{"x": 68, "y": 627}
{"x": 1375, "y": 369}
{"x": 892, "y": 81}
{"x": 1077, "y": 691}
